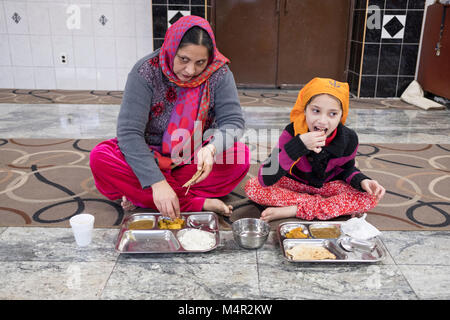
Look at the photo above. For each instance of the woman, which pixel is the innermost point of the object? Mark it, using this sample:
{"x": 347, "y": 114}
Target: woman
{"x": 180, "y": 112}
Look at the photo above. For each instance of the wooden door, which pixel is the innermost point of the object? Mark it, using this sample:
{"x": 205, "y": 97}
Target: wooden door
{"x": 246, "y": 32}
{"x": 434, "y": 70}
{"x": 312, "y": 40}
{"x": 283, "y": 43}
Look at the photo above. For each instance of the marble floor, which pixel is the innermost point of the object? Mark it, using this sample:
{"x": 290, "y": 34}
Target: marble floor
{"x": 45, "y": 263}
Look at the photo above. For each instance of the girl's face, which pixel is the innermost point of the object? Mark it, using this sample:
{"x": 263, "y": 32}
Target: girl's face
{"x": 190, "y": 61}
{"x": 323, "y": 113}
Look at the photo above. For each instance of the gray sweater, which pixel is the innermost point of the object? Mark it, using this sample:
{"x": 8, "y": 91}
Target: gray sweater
{"x": 145, "y": 112}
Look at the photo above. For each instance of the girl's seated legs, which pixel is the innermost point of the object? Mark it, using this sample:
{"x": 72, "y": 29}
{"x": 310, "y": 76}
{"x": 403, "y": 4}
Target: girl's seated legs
{"x": 334, "y": 199}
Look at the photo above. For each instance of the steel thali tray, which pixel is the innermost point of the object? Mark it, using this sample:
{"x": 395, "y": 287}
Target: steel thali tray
{"x": 344, "y": 248}
{"x": 156, "y": 240}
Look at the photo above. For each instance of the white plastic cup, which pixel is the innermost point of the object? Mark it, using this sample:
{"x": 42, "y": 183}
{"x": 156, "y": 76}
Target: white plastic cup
{"x": 82, "y": 225}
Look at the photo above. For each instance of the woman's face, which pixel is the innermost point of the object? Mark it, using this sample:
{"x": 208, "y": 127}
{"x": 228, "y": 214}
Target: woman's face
{"x": 190, "y": 61}
{"x": 323, "y": 113}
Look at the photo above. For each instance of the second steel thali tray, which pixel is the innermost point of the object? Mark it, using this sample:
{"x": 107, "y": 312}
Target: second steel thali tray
{"x": 154, "y": 239}
{"x": 344, "y": 248}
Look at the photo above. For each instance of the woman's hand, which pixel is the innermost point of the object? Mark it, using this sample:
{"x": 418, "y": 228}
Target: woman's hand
{"x": 314, "y": 140}
{"x": 205, "y": 158}
{"x": 373, "y": 187}
{"x": 166, "y": 199}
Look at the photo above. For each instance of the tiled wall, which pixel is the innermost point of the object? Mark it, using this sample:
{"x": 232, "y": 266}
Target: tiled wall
{"x": 383, "y": 61}
{"x": 100, "y": 40}
{"x": 82, "y": 44}
{"x": 167, "y": 12}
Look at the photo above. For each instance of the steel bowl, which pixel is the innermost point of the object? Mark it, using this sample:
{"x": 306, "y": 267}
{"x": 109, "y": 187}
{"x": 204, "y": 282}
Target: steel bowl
{"x": 250, "y": 233}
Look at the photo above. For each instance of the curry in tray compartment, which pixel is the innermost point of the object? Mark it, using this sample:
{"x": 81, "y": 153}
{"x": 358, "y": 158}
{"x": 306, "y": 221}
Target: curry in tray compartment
{"x": 176, "y": 223}
{"x": 324, "y": 232}
{"x": 144, "y": 224}
{"x": 296, "y": 233}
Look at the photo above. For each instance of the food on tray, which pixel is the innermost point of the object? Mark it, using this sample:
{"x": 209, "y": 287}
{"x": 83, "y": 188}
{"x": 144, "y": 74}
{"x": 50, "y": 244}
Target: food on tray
{"x": 177, "y": 223}
{"x": 324, "y": 232}
{"x": 296, "y": 233}
{"x": 309, "y": 252}
{"x": 194, "y": 239}
{"x": 143, "y": 224}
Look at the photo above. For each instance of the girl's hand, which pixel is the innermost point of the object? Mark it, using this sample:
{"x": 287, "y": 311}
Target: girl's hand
{"x": 373, "y": 187}
{"x": 314, "y": 140}
{"x": 205, "y": 158}
{"x": 166, "y": 199}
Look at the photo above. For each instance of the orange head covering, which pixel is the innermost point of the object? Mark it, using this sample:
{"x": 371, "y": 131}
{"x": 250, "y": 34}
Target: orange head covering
{"x": 316, "y": 86}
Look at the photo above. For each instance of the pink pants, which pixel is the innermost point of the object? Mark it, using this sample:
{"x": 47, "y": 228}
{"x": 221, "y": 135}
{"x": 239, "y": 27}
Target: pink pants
{"x": 335, "y": 198}
{"x": 114, "y": 178}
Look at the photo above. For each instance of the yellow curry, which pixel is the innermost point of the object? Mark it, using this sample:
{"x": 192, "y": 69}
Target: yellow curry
{"x": 296, "y": 233}
{"x": 177, "y": 223}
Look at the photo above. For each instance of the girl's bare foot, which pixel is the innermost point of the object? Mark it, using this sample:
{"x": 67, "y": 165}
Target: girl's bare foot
{"x": 217, "y": 206}
{"x": 275, "y": 213}
{"x": 357, "y": 215}
{"x": 127, "y": 205}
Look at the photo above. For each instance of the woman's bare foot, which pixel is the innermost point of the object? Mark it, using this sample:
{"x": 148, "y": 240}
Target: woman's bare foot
{"x": 275, "y": 213}
{"x": 127, "y": 205}
{"x": 217, "y": 206}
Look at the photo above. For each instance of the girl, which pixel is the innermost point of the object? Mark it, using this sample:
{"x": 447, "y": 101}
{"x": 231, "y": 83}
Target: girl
{"x": 172, "y": 96}
{"x": 311, "y": 172}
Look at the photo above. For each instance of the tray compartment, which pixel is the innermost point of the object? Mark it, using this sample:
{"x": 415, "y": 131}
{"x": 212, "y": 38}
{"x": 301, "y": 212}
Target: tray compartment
{"x": 352, "y": 244}
{"x": 213, "y": 235}
{"x": 378, "y": 253}
{"x": 202, "y": 221}
{"x": 287, "y": 227}
{"x": 135, "y": 222}
{"x": 140, "y": 241}
{"x": 327, "y": 244}
{"x": 162, "y": 219}
{"x": 325, "y": 230}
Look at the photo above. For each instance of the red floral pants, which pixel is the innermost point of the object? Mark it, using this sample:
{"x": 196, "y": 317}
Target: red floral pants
{"x": 335, "y": 198}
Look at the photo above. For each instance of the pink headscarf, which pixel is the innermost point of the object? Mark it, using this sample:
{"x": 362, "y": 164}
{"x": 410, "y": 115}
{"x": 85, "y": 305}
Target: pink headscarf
{"x": 192, "y": 103}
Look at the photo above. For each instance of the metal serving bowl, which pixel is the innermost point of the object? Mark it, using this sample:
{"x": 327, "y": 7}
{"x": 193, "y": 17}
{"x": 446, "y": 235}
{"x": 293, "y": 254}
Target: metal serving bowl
{"x": 250, "y": 233}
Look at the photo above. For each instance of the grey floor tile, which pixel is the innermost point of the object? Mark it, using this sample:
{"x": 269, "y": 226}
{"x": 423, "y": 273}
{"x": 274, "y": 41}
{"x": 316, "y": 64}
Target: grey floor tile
{"x": 53, "y": 280}
{"x": 159, "y": 281}
{"x": 333, "y": 282}
{"x": 55, "y": 244}
{"x": 99, "y": 121}
{"x": 59, "y": 120}
{"x": 428, "y": 281}
{"x": 419, "y": 247}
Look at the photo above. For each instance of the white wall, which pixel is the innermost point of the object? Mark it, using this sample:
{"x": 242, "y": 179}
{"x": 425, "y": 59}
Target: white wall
{"x": 98, "y": 57}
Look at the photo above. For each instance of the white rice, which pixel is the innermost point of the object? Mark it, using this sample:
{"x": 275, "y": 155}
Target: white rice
{"x": 194, "y": 239}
